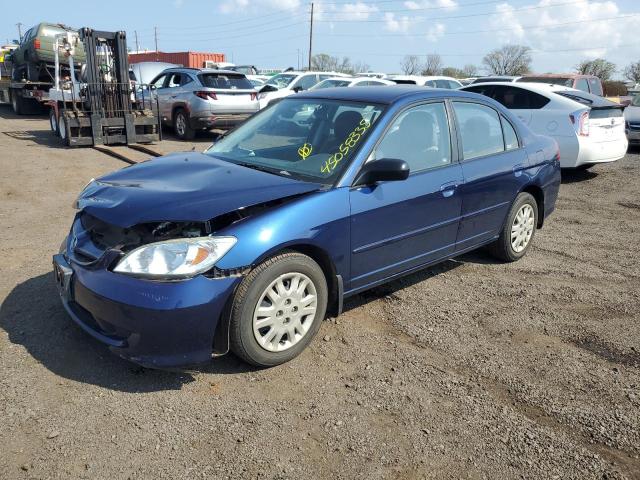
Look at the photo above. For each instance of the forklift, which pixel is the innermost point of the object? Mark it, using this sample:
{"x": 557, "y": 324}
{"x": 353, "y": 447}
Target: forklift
{"x": 96, "y": 103}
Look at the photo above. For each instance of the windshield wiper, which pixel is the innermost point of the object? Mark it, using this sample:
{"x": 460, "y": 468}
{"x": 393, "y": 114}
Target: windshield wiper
{"x": 280, "y": 173}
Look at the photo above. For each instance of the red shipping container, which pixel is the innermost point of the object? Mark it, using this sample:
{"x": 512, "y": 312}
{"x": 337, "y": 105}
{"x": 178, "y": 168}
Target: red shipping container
{"x": 186, "y": 59}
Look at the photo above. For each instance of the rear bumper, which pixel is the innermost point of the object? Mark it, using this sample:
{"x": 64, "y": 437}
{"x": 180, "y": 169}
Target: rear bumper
{"x": 159, "y": 325}
{"x": 212, "y": 120}
{"x": 601, "y": 152}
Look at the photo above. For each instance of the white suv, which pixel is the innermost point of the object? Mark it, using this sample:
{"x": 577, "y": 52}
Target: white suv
{"x": 287, "y": 83}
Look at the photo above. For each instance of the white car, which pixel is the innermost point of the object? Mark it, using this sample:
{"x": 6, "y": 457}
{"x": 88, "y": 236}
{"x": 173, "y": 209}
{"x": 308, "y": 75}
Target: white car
{"x": 426, "y": 81}
{"x": 632, "y": 120}
{"x": 351, "y": 82}
{"x": 287, "y": 83}
{"x": 589, "y": 129}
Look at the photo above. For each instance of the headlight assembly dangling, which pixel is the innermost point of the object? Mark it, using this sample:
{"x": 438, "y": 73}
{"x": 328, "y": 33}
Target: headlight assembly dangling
{"x": 179, "y": 258}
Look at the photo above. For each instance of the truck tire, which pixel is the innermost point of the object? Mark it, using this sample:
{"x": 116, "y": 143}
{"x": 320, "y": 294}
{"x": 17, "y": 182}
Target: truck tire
{"x": 17, "y": 102}
{"x": 63, "y": 130}
{"x": 53, "y": 121}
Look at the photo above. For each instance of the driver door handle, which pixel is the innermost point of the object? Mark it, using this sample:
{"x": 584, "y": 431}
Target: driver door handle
{"x": 448, "y": 188}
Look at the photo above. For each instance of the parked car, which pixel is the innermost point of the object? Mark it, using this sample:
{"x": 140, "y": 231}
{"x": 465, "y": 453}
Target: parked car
{"x": 35, "y": 55}
{"x": 192, "y": 99}
{"x": 351, "y": 82}
{"x": 497, "y": 78}
{"x": 249, "y": 245}
{"x": 145, "y": 72}
{"x": 246, "y": 69}
{"x": 287, "y": 83}
{"x": 632, "y": 120}
{"x": 427, "y": 81}
{"x": 586, "y": 83}
{"x": 588, "y": 128}
{"x": 256, "y": 82}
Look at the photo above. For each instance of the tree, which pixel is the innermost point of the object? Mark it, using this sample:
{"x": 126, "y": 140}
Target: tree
{"x": 469, "y": 70}
{"x": 632, "y": 72}
{"x": 599, "y": 67}
{"x": 453, "y": 72}
{"x": 410, "y": 65}
{"x": 508, "y": 60}
{"x": 327, "y": 63}
{"x": 433, "y": 65}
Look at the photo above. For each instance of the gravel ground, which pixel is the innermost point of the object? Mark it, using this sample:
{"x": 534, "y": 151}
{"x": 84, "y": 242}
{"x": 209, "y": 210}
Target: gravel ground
{"x": 472, "y": 369}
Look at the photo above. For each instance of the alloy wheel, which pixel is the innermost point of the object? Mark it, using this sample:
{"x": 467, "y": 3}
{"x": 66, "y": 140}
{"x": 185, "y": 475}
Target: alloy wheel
{"x": 181, "y": 124}
{"x": 522, "y": 228}
{"x": 284, "y": 312}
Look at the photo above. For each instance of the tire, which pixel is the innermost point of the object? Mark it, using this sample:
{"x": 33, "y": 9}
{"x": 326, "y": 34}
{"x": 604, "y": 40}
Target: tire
{"x": 53, "y": 121}
{"x": 181, "y": 125}
{"x": 17, "y": 103}
{"x": 522, "y": 221}
{"x": 252, "y": 294}
{"x": 63, "y": 130}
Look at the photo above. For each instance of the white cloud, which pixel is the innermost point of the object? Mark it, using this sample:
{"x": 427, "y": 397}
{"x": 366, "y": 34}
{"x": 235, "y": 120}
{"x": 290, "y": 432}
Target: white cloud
{"x": 235, "y": 6}
{"x": 444, "y": 4}
{"x": 510, "y": 26}
{"x": 357, "y": 11}
{"x": 393, "y": 24}
{"x": 435, "y": 32}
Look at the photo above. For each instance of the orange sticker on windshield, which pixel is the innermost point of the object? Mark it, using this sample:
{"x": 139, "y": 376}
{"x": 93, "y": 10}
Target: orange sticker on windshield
{"x": 305, "y": 150}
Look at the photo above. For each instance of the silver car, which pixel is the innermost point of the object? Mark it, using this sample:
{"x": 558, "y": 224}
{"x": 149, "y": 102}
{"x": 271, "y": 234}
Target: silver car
{"x": 192, "y": 99}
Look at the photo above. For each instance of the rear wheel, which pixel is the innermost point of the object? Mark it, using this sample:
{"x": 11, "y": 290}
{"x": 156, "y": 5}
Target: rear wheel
{"x": 278, "y": 309}
{"x": 17, "y": 103}
{"x": 53, "y": 121}
{"x": 519, "y": 229}
{"x": 181, "y": 125}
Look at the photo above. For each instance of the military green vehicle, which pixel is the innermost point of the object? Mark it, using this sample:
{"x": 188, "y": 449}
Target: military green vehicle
{"x": 34, "y": 59}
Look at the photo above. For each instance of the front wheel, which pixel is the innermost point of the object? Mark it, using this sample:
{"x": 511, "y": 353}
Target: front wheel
{"x": 519, "y": 229}
{"x": 278, "y": 309}
{"x": 53, "y": 121}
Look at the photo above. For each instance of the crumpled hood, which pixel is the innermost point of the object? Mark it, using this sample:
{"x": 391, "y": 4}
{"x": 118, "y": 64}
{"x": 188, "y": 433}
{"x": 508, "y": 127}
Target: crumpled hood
{"x": 182, "y": 187}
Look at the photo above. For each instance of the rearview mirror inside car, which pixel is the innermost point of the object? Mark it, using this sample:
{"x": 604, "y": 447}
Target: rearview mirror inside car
{"x": 383, "y": 170}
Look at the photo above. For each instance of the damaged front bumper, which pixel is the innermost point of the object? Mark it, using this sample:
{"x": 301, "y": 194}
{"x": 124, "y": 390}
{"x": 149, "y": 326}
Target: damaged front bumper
{"x": 152, "y": 323}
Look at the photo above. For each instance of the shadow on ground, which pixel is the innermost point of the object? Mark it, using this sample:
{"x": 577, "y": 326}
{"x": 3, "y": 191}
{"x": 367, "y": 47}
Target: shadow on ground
{"x": 33, "y": 317}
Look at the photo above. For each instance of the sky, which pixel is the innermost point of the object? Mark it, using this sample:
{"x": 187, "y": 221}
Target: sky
{"x": 275, "y": 33}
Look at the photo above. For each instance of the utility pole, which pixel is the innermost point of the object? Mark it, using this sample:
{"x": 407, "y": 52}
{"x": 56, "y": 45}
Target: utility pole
{"x": 19, "y": 25}
{"x": 298, "y": 59}
{"x": 155, "y": 35}
{"x": 310, "y": 35}
{"x": 137, "y": 47}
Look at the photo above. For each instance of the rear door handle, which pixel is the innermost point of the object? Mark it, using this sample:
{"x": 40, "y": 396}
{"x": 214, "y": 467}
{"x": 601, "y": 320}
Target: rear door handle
{"x": 448, "y": 188}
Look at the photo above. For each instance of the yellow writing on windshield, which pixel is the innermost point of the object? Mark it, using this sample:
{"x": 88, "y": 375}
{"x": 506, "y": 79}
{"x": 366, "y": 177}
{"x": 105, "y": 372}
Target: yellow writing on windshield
{"x": 344, "y": 148}
{"x": 305, "y": 150}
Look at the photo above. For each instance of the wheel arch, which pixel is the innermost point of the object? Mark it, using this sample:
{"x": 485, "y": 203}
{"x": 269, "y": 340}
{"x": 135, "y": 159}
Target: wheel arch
{"x": 537, "y": 193}
{"x": 318, "y": 255}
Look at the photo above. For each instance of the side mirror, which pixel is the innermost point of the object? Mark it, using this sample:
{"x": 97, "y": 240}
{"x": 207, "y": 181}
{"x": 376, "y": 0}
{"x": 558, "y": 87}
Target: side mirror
{"x": 7, "y": 57}
{"x": 297, "y": 89}
{"x": 383, "y": 170}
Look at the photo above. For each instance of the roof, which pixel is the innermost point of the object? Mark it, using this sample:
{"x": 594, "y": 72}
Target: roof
{"x": 558, "y": 75}
{"x": 384, "y": 95}
{"x": 202, "y": 70}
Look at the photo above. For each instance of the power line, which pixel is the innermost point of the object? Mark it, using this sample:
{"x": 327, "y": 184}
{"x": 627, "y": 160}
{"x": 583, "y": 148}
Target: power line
{"x": 529, "y": 27}
{"x": 469, "y": 15}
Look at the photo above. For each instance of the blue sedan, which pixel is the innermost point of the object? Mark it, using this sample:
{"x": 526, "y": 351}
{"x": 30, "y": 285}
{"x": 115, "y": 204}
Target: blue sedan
{"x": 251, "y": 244}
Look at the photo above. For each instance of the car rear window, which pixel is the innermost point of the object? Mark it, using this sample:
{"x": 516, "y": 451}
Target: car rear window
{"x": 515, "y": 98}
{"x": 224, "y": 81}
{"x": 405, "y": 82}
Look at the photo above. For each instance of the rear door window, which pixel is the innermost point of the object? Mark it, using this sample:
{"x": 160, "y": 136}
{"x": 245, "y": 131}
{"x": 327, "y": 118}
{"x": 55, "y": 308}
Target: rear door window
{"x": 480, "y": 129}
{"x": 306, "y": 82}
{"x": 596, "y": 86}
{"x": 174, "y": 80}
{"x": 515, "y": 98}
{"x": 582, "y": 84}
{"x": 510, "y": 137}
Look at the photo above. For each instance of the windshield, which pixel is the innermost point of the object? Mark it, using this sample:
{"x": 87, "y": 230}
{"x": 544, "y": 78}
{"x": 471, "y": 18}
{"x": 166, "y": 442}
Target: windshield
{"x": 226, "y": 81}
{"x": 636, "y": 101}
{"x": 565, "y": 82}
{"x": 281, "y": 80}
{"x": 306, "y": 139}
{"x": 331, "y": 83}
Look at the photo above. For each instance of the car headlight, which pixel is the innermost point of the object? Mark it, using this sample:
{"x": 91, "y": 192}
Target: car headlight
{"x": 179, "y": 258}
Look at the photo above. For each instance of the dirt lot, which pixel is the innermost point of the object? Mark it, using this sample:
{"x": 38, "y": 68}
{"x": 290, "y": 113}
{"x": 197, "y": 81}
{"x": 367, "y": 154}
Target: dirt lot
{"x": 472, "y": 369}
